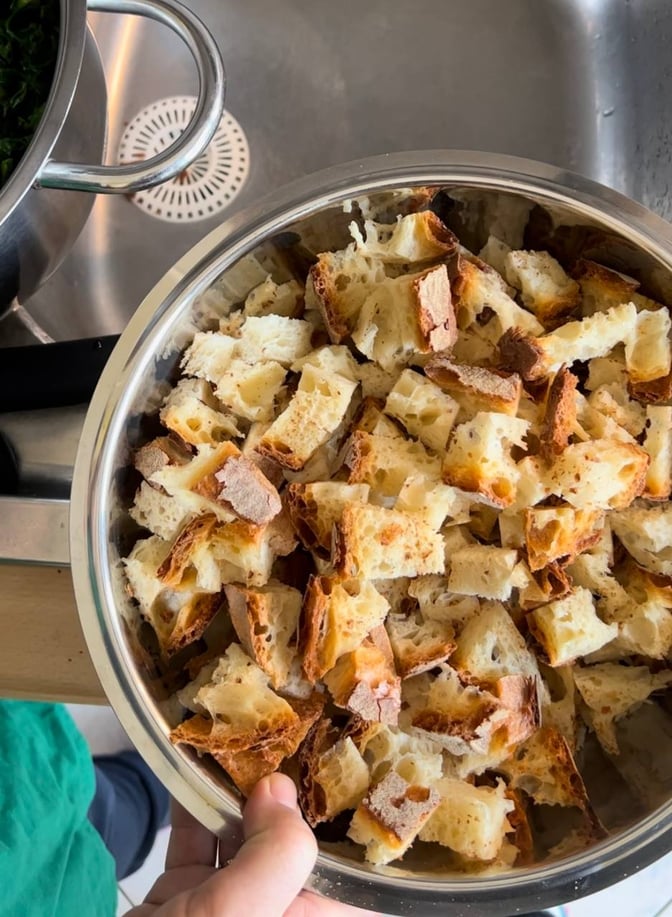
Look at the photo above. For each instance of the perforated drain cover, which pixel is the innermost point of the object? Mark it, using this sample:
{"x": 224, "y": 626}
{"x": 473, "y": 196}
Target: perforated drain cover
{"x": 209, "y": 184}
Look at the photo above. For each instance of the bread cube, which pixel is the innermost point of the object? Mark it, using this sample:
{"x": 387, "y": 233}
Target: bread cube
{"x": 647, "y": 351}
{"x": 251, "y": 390}
{"x": 209, "y": 355}
{"x": 479, "y": 287}
{"x": 490, "y": 647}
{"x": 275, "y": 338}
{"x": 602, "y": 474}
{"x": 546, "y": 289}
{"x": 475, "y": 388}
{"x": 483, "y": 570}
{"x": 658, "y": 446}
{"x": 570, "y": 628}
{"x": 424, "y": 410}
{"x": 191, "y": 411}
{"x": 385, "y": 463}
{"x": 270, "y": 298}
{"x": 414, "y": 238}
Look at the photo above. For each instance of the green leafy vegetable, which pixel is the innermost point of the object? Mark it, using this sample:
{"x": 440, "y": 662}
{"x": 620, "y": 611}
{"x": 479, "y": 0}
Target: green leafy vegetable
{"x": 28, "y": 49}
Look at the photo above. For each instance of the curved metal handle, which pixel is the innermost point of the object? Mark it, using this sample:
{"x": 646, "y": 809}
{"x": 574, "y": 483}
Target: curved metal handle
{"x": 190, "y": 144}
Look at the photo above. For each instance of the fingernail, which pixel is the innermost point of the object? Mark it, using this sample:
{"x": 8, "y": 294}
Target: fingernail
{"x": 282, "y": 789}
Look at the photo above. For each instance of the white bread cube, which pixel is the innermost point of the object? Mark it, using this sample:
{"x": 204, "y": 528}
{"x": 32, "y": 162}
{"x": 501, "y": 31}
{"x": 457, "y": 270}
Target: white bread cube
{"x": 245, "y": 552}
{"x": 433, "y": 503}
{"x": 270, "y": 298}
{"x": 209, "y": 355}
{"x": 570, "y": 628}
{"x": 658, "y": 446}
{"x": 274, "y": 337}
{"x": 418, "y": 644}
{"x": 375, "y": 381}
{"x": 385, "y": 463}
{"x": 479, "y": 457}
{"x": 337, "y": 617}
{"x": 406, "y": 315}
{"x": 606, "y": 371}
{"x": 494, "y": 253}
{"x": 343, "y": 777}
{"x": 266, "y": 620}
{"x": 613, "y": 401}
{"x": 605, "y": 474}
{"x": 377, "y": 543}
{"x": 413, "y": 756}
{"x": 390, "y": 817}
{"x": 191, "y": 411}
{"x": 595, "y": 336}
{"x": 490, "y": 647}
{"x": 646, "y": 533}
{"x": 314, "y": 413}
{"x": 334, "y": 359}
{"x": 141, "y": 569}
{"x": 647, "y": 351}
{"x": 338, "y": 284}
{"x": 414, "y": 238}
{"x": 157, "y": 511}
{"x": 546, "y": 289}
{"x": 251, "y": 390}
{"x": 365, "y": 683}
{"x": 315, "y": 509}
{"x": 471, "y": 820}
{"x": 554, "y": 532}
{"x": 483, "y": 570}
{"x": 610, "y": 691}
{"x": 425, "y": 411}
{"x": 594, "y": 424}
{"x": 478, "y": 289}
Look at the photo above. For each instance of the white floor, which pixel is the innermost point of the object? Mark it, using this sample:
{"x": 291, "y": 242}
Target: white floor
{"x": 647, "y": 894}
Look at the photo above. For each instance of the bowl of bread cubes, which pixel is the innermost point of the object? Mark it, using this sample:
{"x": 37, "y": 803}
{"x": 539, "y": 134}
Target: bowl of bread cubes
{"x": 376, "y": 491}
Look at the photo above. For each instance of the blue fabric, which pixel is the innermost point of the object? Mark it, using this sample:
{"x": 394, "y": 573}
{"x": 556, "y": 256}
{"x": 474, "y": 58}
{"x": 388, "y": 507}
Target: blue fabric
{"x": 129, "y": 806}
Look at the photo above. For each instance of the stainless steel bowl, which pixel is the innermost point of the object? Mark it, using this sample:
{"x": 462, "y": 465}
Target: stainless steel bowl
{"x": 130, "y": 389}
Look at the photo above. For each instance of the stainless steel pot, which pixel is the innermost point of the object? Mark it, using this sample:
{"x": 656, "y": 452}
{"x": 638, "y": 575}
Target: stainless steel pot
{"x": 40, "y": 217}
{"x": 133, "y": 383}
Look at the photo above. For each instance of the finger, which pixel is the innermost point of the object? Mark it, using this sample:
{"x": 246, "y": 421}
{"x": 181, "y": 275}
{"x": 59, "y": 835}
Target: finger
{"x": 308, "y": 904}
{"x": 274, "y": 862}
{"x": 191, "y": 844}
{"x": 176, "y": 881}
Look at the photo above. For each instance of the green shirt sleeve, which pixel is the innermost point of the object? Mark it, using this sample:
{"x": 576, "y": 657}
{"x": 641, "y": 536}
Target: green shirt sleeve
{"x": 53, "y": 863}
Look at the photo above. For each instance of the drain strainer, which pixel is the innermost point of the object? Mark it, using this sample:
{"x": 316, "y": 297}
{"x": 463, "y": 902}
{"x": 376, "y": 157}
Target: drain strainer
{"x": 209, "y": 184}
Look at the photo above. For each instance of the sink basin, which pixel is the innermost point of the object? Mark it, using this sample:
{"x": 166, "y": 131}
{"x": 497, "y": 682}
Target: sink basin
{"x": 577, "y": 83}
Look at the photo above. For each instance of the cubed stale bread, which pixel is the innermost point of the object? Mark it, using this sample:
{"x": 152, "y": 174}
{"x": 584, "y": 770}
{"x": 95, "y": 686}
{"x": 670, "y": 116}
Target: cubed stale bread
{"x": 405, "y": 534}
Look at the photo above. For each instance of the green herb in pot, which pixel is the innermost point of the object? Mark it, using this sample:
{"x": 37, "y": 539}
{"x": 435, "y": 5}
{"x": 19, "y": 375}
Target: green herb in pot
{"x": 28, "y": 48}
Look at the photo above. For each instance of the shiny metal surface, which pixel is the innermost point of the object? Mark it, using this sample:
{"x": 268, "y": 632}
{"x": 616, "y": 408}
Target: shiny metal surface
{"x": 75, "y": 176}
{"x": 131, "y": 388}
{"x": 582, "y": 84}
{"x": 34, "y": 531}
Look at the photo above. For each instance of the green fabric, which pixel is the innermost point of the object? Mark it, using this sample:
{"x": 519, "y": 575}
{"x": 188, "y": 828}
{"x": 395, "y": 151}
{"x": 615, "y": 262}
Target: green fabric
{"x": 53, "y": 863}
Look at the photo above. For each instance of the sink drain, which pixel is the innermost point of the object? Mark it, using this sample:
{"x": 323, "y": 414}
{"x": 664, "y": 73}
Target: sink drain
{"x": 209, "y": 184}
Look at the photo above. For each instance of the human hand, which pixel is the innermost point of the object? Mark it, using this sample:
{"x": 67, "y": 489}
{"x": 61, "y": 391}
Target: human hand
{"x": 264, "y": 879}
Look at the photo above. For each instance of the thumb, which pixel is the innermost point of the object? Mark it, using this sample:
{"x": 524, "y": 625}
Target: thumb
{"x": 277, "y": 857}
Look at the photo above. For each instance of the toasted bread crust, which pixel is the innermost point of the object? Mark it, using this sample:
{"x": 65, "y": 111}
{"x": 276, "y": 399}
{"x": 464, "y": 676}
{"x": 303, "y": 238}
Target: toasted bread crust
{"x": 494, "y": 390}
{"x": 194, "y": 534}
{"x": 435, "y": 312}
{"x": 520, "y": 353}
{"x": 560, "y": 414}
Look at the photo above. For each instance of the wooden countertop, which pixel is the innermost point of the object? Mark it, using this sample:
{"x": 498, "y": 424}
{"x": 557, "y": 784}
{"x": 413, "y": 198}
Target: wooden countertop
{"x": 43, "y": 655}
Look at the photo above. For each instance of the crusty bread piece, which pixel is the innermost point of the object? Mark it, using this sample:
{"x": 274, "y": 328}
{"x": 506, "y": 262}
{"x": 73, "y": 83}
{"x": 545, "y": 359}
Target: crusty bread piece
{"x": 251, "y": 390}
{"x": 437, "y": 603}
{"x": 549, "y": 583}
{"x": 610, "y": 691}
{"x": 559, "y": 702}
{"x": 334, "y": 359}
{"x": 414, "y": 238}
{"x": 390, "y": 817}
{"x": 494, "y": 253}
{"x": 246, "y": 552}
{"x": 613, "y": 401}
{"x": 475, "y": 388}
{"x": 406, "y": 315}
{"x": 425, "y": 411}
{"x": 434, "y": 503}
{"x": 594, "y": 424}
{"x": 658, "y": 446}
{"x": 209, "y": 355}
{"x": 375, "y": 381}
{"x": 414, "y": 756}
{"x": 385, "y": 463}
{"x": 271, "y": 298}
{"x": 266, "y": 621}
{"x": 559, "y": 414}
{"x": 376, "y": 543}
{"x": 659, "y": 391}
{"x": 470, "y": 820}
{"x": 159, "y": 452}
{"x": 157, "y": 511}
{"x": 369, "y": 418}
{"x": 418, "y": 644}
{"x": 479, "y": 460}
{"x": 337, "y": 616}
{"x": 604, "y": 474}
{"x": 461, "y": 718}
{"x": 338, "y": 284}
{"x": 555, "y": 532}
{"x": 569, "y": 628}
{"x": 190, "y": 540}
{"x": 544, "y": 768}
{"x": 268, "y": 467}
{"x": 365, "y": 683}
{"x": 536, "y": 358}
{"x": 607, "y": 371}
{"x": 490, "y": 647}
{"x": 602, "y": 288}
{"x": 274, "y": 338}
{"x": 646, "y": 533}
{"x": 546, "y": 290}
{"x": 315, "y": 508}
{"x": 519, "y": 695}
{"x": 478, "y": 287}
{"x": 141, "y": 568}
{"x": 334, "y": 778}
{"x": 191, "y": 411}
{"x": 648, "y": 354}
{"x": 315, "y": 411}
{"x": 532, "y": 485}
{"x": 483, "y": 570}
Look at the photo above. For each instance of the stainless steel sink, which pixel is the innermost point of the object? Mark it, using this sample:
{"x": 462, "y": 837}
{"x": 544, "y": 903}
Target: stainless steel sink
{"x": 584, "y": 84}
